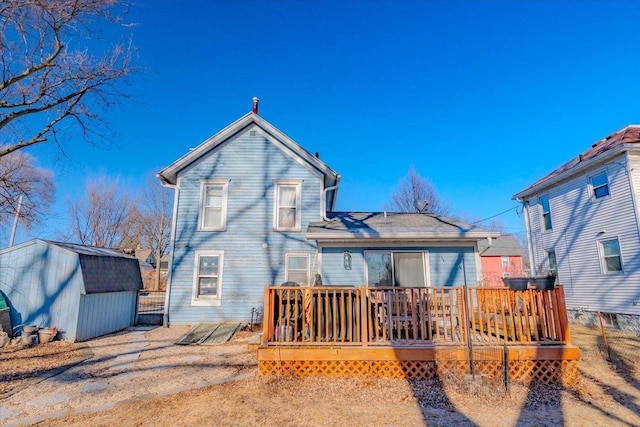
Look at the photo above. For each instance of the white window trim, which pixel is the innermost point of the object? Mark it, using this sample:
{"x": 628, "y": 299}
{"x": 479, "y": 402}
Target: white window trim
{"x": 504, "y": 258}
{"x": 276, "y": 204}
{"x": 543, "y": 224}
{"x": 286, "y": 265}
{"x": 603, "y": 263}
{"x": 223, "y": 213}
{"x": 425, "y": 263}
{"x": 207, "y": 300}
{"x": 592, "y": 189}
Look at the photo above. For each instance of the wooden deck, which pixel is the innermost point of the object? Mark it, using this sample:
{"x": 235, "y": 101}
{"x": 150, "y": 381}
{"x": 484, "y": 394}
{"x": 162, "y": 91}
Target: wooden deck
{"x": 417, "y": 333}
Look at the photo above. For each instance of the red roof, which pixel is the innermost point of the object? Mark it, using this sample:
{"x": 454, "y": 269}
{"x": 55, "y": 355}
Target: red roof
{"x": 627, "y": 135}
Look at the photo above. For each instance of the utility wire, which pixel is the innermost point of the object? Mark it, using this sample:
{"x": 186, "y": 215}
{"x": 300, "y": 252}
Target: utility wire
{"x": 491, "y": 217}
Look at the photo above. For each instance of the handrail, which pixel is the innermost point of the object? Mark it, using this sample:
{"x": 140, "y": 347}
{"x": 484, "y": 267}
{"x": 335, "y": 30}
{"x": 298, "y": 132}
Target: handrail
{"x": 399, "y": 316}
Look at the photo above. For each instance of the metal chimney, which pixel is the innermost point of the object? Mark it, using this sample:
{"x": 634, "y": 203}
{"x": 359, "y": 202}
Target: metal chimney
{"x": 255, "y": 105}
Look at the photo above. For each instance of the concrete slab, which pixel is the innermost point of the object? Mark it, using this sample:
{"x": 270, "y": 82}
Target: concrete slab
{"x": 127, "y": 376}
{"x": 49, "y": 399}
{"x": 94, "y": 386}
{"x": 121, "y": 366}
{"x": 6, "y": 413}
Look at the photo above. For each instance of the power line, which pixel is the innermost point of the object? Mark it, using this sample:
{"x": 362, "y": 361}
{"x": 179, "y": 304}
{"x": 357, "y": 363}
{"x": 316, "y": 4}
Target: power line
{"x": 493, "y": 216}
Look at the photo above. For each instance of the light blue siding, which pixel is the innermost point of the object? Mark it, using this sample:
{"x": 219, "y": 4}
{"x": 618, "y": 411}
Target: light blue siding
{"x": 254, "y": 254}
{"x": 446, "y": 265}
{"x": 43, "y": 286}
{"x": 103, "y": 313}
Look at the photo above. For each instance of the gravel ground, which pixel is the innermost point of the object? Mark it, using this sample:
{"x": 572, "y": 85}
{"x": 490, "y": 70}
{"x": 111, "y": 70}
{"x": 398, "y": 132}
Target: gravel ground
{"x": 140, "y": 378}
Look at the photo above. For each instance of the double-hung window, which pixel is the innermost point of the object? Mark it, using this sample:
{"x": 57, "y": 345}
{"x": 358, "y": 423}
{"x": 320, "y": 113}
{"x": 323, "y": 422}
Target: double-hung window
{"x": 297, "y": 268}
{"x": 600, "y": 185}
{"x": 546, "y": 212}
{"x": 213, "y": 205}
{"x": 287, "y": 206}
{"x": 611, "y": 255}
{"x": 207, "y": 278}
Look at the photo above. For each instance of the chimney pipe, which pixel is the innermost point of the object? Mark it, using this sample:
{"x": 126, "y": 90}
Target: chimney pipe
{"x": 255, "y": 105}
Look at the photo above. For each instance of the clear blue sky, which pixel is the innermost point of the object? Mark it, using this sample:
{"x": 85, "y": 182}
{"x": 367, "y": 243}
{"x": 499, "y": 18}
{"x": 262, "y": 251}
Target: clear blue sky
{"x": 482, "y": 97}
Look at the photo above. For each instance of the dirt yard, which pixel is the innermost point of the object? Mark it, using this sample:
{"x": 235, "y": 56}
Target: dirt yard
{"x": 609, "y": 395}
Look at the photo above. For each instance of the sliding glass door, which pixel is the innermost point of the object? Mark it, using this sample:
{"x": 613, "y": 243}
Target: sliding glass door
{"x": 391, "y": 268}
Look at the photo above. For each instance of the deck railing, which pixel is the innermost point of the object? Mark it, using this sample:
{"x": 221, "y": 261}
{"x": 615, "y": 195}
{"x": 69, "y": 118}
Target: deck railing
{"x": 370, "y": 316}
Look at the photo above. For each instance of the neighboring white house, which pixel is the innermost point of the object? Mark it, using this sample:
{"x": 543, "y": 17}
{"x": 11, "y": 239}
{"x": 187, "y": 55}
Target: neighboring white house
{"x": 583, "y": 222}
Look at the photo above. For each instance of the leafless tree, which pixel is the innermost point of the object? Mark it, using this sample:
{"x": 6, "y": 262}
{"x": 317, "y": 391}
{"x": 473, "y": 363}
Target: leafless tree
{"x": 49, "y": 77}
{"x": 103, "y": 217}
{"x": 155, "y": 221}
{"x": 24, "y": 184}
{"x": 413, "y": 193}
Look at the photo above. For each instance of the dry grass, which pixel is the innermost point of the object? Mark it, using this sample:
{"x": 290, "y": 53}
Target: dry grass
{"x": 609, "y": 395}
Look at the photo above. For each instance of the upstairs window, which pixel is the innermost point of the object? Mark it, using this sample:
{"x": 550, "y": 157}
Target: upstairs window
{"x": 600, "y": 185}
{"x": 213, "y": 205}
{"x": 297, "y": 268}
{"x": 505, "y": 261}
{"x": 546, "y": 212}
{"x": 611, "y": 255}
{"x": 287, "y": 215}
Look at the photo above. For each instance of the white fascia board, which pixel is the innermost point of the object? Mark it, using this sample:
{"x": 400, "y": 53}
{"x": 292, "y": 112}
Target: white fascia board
{"x": 576, "y": 170}
{"x": 169, "y": 174}
{"x": 405, "y": 237}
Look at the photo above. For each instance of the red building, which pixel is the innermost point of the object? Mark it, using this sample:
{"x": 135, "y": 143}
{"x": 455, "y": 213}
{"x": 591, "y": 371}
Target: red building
{"x": 503, "y": 257}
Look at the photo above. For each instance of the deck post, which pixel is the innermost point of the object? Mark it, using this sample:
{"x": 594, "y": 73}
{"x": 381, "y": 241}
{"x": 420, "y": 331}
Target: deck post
{"x": 267, "y": 327}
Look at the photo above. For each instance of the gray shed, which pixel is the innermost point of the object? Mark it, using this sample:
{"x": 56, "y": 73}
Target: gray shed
{"x": 83, "y": 291}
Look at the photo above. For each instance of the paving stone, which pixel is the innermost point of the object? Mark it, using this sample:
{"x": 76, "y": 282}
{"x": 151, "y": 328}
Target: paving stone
{"x": 50, "y": 399}
{"x": 94, "y": 386}
{"x": 6, "y": 413}
{"x": 121, "y": 366}
{"x": 127, "y": 376}
{"x": 128, "y": 357}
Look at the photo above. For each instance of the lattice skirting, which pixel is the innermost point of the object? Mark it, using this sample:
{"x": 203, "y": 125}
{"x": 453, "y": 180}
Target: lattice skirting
{"x": 563, "y": 372}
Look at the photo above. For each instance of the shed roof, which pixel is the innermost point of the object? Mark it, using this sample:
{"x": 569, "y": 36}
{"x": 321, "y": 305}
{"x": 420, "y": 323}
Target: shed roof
{"x": 625, "y": 138}
{"x": 505, "y": 245}
{"x": 394, "y": 226}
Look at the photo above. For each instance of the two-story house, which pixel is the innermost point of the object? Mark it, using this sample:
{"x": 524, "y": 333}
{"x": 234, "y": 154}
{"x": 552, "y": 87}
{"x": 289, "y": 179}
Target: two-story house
{"x": 253, "y": 208}
{"x": 583, "y": 223}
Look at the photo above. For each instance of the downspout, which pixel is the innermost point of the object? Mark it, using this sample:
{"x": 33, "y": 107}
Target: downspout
{"x": 176, "y": 189}
{"x": 324, "y": 201}
{"x": 527, "y": 227}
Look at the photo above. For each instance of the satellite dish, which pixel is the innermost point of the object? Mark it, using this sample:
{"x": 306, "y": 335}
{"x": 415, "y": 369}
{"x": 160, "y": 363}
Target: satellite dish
{"x": 420, "y": 205}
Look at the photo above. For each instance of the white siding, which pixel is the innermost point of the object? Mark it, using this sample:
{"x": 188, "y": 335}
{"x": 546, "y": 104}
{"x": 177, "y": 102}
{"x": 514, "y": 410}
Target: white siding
{"x": 579, "y": 221}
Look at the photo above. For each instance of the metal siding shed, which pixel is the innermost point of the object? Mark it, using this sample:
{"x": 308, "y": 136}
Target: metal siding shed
{"x": 83, "y": 291}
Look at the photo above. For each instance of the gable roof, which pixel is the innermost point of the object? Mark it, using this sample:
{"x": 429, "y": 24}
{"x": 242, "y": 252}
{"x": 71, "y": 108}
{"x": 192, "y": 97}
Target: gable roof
{"x": 621, "y": 140}
{"x": 393, "y": 226}
{"x": 505, "y": 245}
{"x": 170, "y": 173}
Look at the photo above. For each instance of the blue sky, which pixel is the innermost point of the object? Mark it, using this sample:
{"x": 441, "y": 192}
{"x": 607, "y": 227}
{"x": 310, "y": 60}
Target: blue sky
{"x": 481, "y": 97}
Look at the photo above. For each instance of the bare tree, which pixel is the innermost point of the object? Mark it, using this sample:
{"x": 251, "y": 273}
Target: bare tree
{"x": 155, "y": 221}
{"x": 48, "y": 75}
{"x": 25, "y": 187}
{"x": 413, "y": 193}
{"x": 104, "y": 217}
